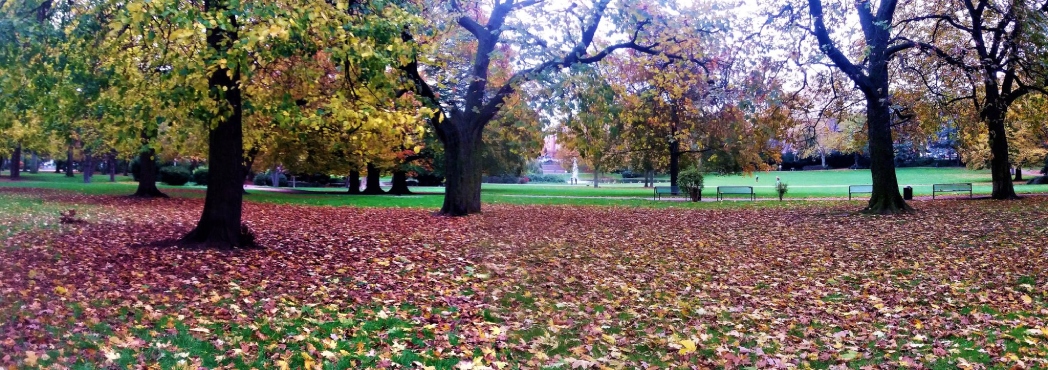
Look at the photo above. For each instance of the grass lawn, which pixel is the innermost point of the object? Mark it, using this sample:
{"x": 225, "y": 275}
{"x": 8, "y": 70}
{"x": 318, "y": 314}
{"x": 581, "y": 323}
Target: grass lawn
{"x": 798, "y": 285}
{"x": 803, "y": 185}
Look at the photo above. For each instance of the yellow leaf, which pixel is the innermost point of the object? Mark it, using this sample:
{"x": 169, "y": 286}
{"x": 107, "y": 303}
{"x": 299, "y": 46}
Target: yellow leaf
{"x": 917, "y": 324}
{"x": 30, "y": 358}
{"x": 62, "y": 291}
{"x": 1027, "y": 299}
{"x": 687, "y": 346}
{"x": 282, "y": 365}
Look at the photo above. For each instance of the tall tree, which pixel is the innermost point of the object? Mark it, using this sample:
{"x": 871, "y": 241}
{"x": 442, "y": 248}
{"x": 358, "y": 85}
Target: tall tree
{"x": 220, "y": 223}
{"x": 999, "y": 47}
{"x": 871, "y": 77}
{"x": 463, "y": 113}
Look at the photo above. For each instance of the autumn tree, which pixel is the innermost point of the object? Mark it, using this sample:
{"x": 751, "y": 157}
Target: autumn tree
{"x": 462, "y": 115}
{"x": 865, "y": 60}
{"x": 999, "y": 50}
{"x": 592, "y": 124}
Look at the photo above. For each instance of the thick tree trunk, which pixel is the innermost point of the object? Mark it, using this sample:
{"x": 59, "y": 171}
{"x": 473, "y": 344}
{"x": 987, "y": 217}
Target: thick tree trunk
{"x": 147, "y": 173}
{"x": 69, "y": 162}
{"x": 373, "y": 182}
{"x": 461, "y": 168}
{"x": 596, "y": 177}
{"x": 999, "y": 166}
{"x": 35, "y": 167}
{"x": 16, "y": 162}
{"x": 354, "y": 182}
{"x": 220, "y": 223}
{"x": 886, "y": 198}
{"x": 674, "y": 162}
{"x": 87, "y": 166}
{"x": 59, "y": 166}
{"x": 400, "y": 183}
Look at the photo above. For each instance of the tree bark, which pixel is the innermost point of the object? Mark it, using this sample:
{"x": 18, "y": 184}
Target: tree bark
{"x": 69, "y": 162}
{"x": 373, "y": 182}
{"x": 220, "y": 222}
{"x": 596, "y": 177}
{"x": 400, "y": 183}
{"x": 147, "y": 173}
{"x": 1018, "y": 173}
{"x": 353, "y": 182}
{"x": 16, "y": 162}
{"x": 111, "y": 165}
{"x": 87, "y": 166}
{"x": 999, "y": 166}
{"x": 461, "y": 167}
{"x": 886, "y": 198}
{"x": 274, "y": 177}
{"x": 674, "y": 162}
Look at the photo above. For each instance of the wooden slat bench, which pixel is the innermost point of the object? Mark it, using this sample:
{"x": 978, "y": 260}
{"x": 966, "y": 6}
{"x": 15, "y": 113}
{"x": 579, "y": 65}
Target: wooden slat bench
{"x": 660, "y": 190}
{"x": 859, "y": 189}
{"x": 952, "y": 188}
{"x": 742, "y": 190}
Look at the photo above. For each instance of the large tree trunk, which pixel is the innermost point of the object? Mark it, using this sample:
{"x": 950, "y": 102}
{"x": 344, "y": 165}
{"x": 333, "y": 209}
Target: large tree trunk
{"x": 596, "y": 177}
{"x": 16, "y": 162}
{"x": 220, "y": 223}
{"x": 354, "y": 182}
{"x": 885, "y": 198}
{"x": 111, "y": 165}
{"x": 147, "y": 173}
{"x": 69, "y": 162}
{"x": 461, "y": 168}
{"x": 87, "y": 166}
{"x": 999, "y": 166}
{"x": 400, "y": 183}
{"x": 674, "y": 162}
{"x": 373, "y": 183}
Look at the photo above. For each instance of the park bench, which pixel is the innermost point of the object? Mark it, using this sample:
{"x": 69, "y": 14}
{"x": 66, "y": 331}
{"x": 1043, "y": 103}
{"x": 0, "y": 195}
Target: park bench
{"x": 744, "y": 190}
{"x": 859, "y": 189}
{"x": 952, "y": 188}
{"x": 660, "y": 190}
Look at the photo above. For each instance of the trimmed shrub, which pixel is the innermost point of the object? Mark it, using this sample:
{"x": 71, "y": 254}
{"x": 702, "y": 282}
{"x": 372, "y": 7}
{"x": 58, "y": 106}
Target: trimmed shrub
{"x": 200, "y": 176}
{"x": 690, "y": 178}
{"x": 504, "y": 179}
{"x": 263, "y": 179}
{"x": 175, "y": 175}
{"x": 547, "y": 178}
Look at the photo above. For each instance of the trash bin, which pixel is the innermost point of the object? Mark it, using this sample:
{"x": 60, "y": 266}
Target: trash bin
{"x": 907, "y": 193}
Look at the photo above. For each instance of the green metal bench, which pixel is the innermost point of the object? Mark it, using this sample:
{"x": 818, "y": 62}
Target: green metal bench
{"x": 737, "y": 190}
{"x": 952, "y": 188}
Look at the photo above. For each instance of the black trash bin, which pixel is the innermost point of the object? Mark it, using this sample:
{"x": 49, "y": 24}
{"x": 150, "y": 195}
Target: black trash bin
{"x": 907, "y": 193}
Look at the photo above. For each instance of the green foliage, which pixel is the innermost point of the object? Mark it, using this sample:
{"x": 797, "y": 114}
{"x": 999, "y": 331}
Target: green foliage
{"x": 265, "y": 179}
{"x": 175, "y": 175}
{"x": 690, "y": 178}
{"x": 200, "y": 176}
{"x": 781, "y": 188}
{"x": 549, "y": 178}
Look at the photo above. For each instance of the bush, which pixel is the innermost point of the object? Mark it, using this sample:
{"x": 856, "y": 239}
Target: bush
{"x": 200, "y": 176}
{"x": 535, "y": 177}
{"x": 264, "y": 179}
{"x": 690, "y": 178}
{"x": 627, "y": 174}
{"x": 1040, "y": 180}
{"x": 504, "y": 179}
{"x": 175, "y": 175}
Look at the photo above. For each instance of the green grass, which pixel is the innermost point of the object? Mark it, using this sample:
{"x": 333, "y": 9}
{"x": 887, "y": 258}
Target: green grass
{"x": 802, "y": 185}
